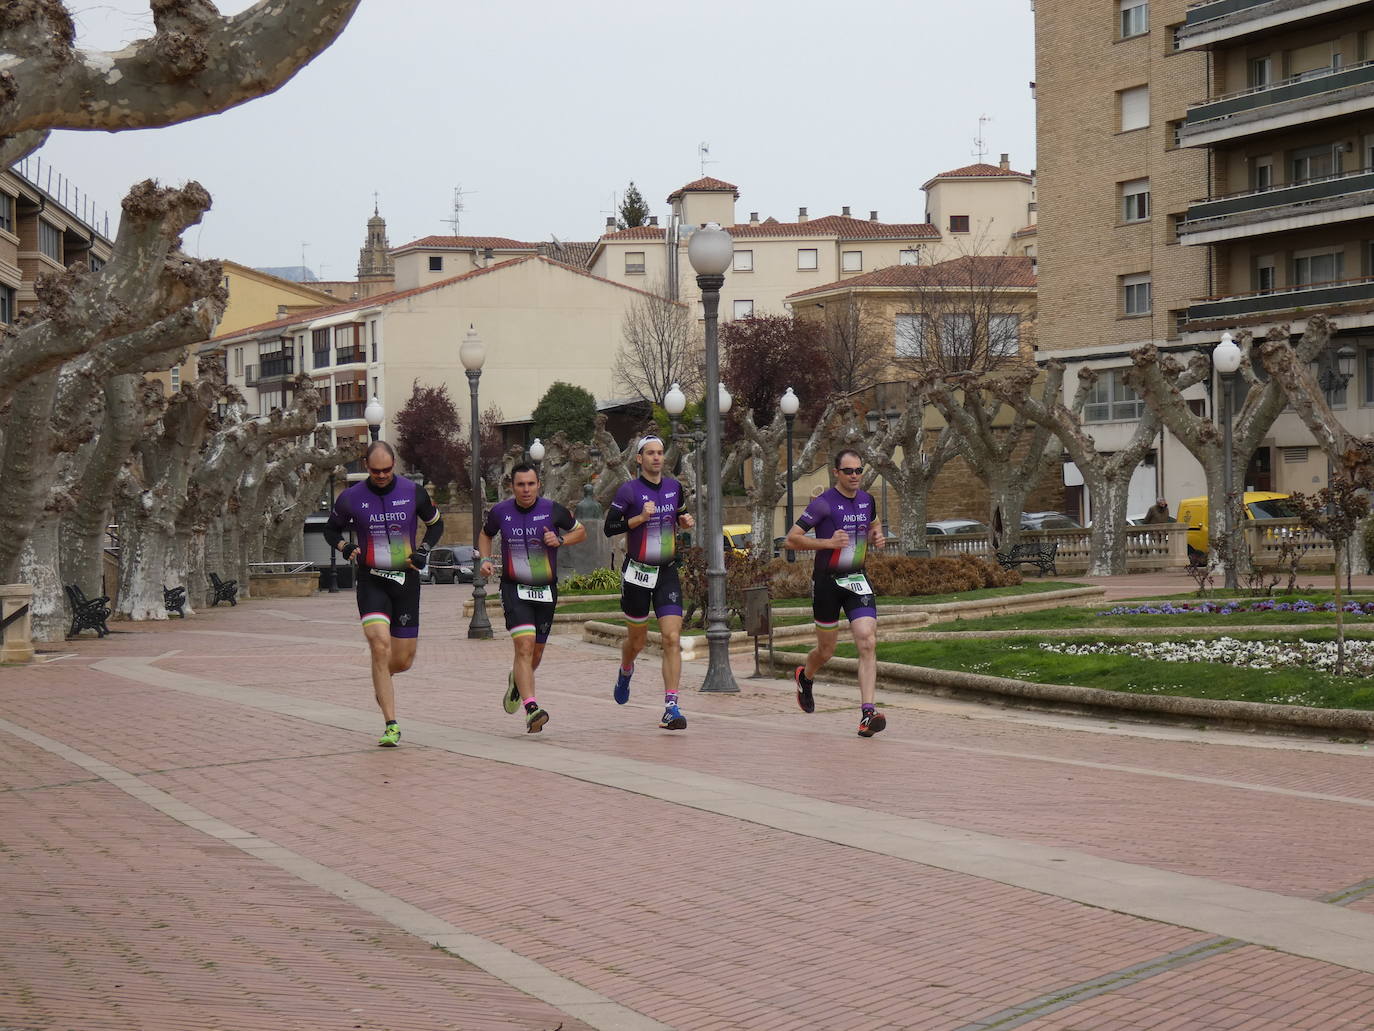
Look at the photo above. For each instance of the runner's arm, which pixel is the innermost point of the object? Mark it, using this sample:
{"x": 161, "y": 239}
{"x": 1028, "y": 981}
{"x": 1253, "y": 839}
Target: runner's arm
{"x": 571, "y": 531}
{"x": 428, "y": 513}
{"x": 334, "y": 531}
{"x": 806, "y": 522}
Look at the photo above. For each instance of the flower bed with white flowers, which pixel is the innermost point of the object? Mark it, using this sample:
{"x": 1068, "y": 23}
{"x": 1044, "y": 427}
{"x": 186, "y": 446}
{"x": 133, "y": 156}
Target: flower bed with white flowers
{"x": 1235, "y": 606}
{"x": 1258, "y": 654}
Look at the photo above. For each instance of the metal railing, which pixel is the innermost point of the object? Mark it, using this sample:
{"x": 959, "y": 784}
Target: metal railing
{"x": 1310, "y": 295}
{"x": 1301, "y": 192}
{"x": 1296, "y": 87}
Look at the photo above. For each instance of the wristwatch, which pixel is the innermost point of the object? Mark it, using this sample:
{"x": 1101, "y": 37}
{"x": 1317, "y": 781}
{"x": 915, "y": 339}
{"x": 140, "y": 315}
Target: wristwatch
{"x": 559, "y": 535}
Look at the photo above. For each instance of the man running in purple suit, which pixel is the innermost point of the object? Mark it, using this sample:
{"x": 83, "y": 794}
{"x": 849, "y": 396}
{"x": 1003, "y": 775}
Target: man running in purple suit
{"x": 386, "y": 511}
{"x": 531, "y": 529}
{"x": 846, "y": 525}
{"x": 648, "y": 510}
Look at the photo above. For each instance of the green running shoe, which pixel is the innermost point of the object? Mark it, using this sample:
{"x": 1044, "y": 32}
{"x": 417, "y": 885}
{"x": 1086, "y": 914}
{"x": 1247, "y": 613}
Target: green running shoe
{"x": 391, "y": 738}
{"x": 535, "y": 720}
{"x": 511, "y": 701}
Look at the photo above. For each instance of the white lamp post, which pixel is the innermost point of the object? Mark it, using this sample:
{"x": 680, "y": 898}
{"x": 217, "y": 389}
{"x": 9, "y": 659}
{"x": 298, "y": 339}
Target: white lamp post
{"x": 1226, "y": 360}
{"x": 375, "y": 414}
{"x": 473, "y": 354}
{"x": 675, "y": 403}
{"x": 537, "y": 451}
{"x": 789, "y": 405}
{"x": 711, "y": 250}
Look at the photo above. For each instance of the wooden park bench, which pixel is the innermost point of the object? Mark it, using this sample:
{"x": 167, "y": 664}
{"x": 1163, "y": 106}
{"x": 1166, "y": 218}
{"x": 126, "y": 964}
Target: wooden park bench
{"x": 225, "y": 590}
{"x": 87, "y": 613}
{"x": 1039, "y": 555}
{"x": 175, "y": 600}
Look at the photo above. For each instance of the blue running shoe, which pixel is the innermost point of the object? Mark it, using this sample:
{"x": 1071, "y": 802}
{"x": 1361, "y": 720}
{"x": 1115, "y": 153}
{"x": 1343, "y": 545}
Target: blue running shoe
{"x": 622, "y": 687}
{"x": 672, "y": 719}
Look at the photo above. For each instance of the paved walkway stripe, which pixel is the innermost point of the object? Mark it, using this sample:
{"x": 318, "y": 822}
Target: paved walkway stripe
{"x": 1061, "y": 998}
{"x": 1301, "y": 927}
{"x": 520, "y": 973}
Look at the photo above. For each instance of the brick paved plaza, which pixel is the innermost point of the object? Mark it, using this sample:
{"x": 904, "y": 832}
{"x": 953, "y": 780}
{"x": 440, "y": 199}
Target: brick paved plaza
{"x": 197, "y": 830}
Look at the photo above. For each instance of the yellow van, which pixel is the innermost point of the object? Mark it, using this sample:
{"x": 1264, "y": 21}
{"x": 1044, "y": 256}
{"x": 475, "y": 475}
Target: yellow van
{"x": 739, "y": 537}
{"x": 1257, "y": 504}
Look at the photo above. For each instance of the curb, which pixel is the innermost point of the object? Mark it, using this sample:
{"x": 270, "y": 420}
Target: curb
{"x": 1092, "y": 701}
{"x": 693, "y": 646}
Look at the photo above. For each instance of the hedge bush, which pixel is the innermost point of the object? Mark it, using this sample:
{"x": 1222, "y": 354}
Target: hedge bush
{"x": 899, "y": 576}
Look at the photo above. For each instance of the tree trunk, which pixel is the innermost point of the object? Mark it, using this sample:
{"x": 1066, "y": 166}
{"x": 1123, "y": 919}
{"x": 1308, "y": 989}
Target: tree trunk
{"x": 83, "y": 528}
{"x": 25, "y": 467}
{"x": 39, "y": 566}
{"x": 145, "y": 540}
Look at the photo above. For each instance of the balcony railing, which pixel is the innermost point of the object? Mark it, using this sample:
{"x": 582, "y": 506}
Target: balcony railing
{"x": 1211, "y": 21}
{"x": 1210, "y": 10}
{"x": 1213, "y": 114}
{"x": 351, "y": 409}
{"x": 1309, "y": 296}
{"x": 272, "y": 368}
{"x": 1207, "y": 214}
{"x": 349, "y": 355}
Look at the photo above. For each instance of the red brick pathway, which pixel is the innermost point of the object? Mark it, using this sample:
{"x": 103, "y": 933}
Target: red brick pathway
{"x": 115, "y": 915}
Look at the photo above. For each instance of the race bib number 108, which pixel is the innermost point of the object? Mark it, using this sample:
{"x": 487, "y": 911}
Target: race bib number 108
{"x": 640, "y": 575}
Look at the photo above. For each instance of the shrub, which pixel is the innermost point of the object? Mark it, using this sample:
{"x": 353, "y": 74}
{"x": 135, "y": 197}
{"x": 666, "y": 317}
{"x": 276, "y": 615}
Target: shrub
{"x": 601, "y": 581}
{"x": 900, "y": 576}
{"x": 741, "y": 571}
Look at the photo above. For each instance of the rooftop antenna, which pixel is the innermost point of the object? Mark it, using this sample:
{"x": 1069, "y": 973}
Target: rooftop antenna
{"x": 704, "y": 149}
{"x": 304, "y": 245}
{"x": 980, "y": 145}
{"x": 458, "y": 194}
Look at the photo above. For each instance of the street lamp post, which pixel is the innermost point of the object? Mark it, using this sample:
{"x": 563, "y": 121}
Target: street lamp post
{"x": 1226, "y": 360}
{"x": 1335, "y": 370}
{"x": 472, "y": 353}
{"x": 710, "y": 250}
{"x": 333, "y": 552}
{"x": 789, "y": 405}
{"x": 537, "y": 451}
{"x": 374, "y": 413}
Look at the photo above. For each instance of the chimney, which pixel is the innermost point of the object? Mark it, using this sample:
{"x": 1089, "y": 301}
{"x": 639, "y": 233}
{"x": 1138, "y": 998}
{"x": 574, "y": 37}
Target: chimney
{"x": 801, "y": 214}
{"x": 610, "y": 223}
{"x": 845, "y": 211}
{"x": 653, "y": 220}
{"x": 1005, "y": 163}
{"x": 873, "y": 216}
{"x": 281, "y": 311}
{"x": 753, "y": 218}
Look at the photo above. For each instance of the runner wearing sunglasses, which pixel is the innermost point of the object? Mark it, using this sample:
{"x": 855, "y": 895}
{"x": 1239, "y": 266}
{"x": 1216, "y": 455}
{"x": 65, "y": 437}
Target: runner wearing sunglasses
{"x": 385, "y": 511}
{"x": 845, "y": 522}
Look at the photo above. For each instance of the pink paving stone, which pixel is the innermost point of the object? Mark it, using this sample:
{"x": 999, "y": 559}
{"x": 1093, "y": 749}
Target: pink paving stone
{"x": 657, "y": 906}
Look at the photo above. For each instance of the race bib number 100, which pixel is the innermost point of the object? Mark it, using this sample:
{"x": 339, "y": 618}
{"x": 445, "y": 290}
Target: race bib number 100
{"x": 854, "y": 583}
{"x": 528, "y": 593}
{"x": 640, "y": 575}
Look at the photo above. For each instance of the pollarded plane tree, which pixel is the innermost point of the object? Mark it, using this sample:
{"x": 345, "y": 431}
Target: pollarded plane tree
{"x": 197, "y": 62}
{"x": 1161, "y": 379}
{"x": 1106, "y": 474}
{"x": 905, "y": 454}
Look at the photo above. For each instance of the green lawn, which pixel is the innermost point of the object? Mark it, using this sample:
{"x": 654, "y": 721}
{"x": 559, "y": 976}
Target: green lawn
{"x": 1020, "y": 658}
{"x": 924, "y": 599}
{"x": 778, "y": 620}
{"x": 1070, "y": 617}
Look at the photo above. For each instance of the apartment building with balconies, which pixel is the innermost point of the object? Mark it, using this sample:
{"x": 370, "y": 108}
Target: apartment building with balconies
{"x": 1206, "y": 167}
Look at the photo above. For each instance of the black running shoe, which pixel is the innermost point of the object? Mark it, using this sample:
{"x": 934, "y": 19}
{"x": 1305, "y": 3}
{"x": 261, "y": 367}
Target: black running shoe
{"x": 804, "y": 699}
{"x": 871, "y": 722}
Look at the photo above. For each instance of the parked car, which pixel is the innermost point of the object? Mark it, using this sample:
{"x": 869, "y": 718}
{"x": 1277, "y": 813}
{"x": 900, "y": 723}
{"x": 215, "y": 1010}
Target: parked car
{"x": 1049, "y": 521}
{"x": 739, "y": 537}
{"x": 449, "y": 565}
{"x": 948, "y": 527}
{"x": 1256, "y": 504}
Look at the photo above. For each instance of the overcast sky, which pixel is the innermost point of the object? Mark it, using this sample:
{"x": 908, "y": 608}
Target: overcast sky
{"x": 543, "y": 110}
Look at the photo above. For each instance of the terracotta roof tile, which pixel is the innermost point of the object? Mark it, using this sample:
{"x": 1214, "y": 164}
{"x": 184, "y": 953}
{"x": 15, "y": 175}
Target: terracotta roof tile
{"x": 1008, "y": 271}
{"x": 981, "y": 170}
{"x": 1029, "y": 230}
{"x": 705, "y": 184}
{"x": 368, "y": 302}
{"x": 569, "y": 252}
{"x": 841, "y": 226}
{"x": 636, "y": 233}
{"x": 399, "y": 295}
{"x": 467, "y": 243}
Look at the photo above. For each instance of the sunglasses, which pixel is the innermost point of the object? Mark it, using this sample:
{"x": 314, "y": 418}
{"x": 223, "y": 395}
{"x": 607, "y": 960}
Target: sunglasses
{"x": 380, "y": 472}
{"x": 852, "y": 472}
